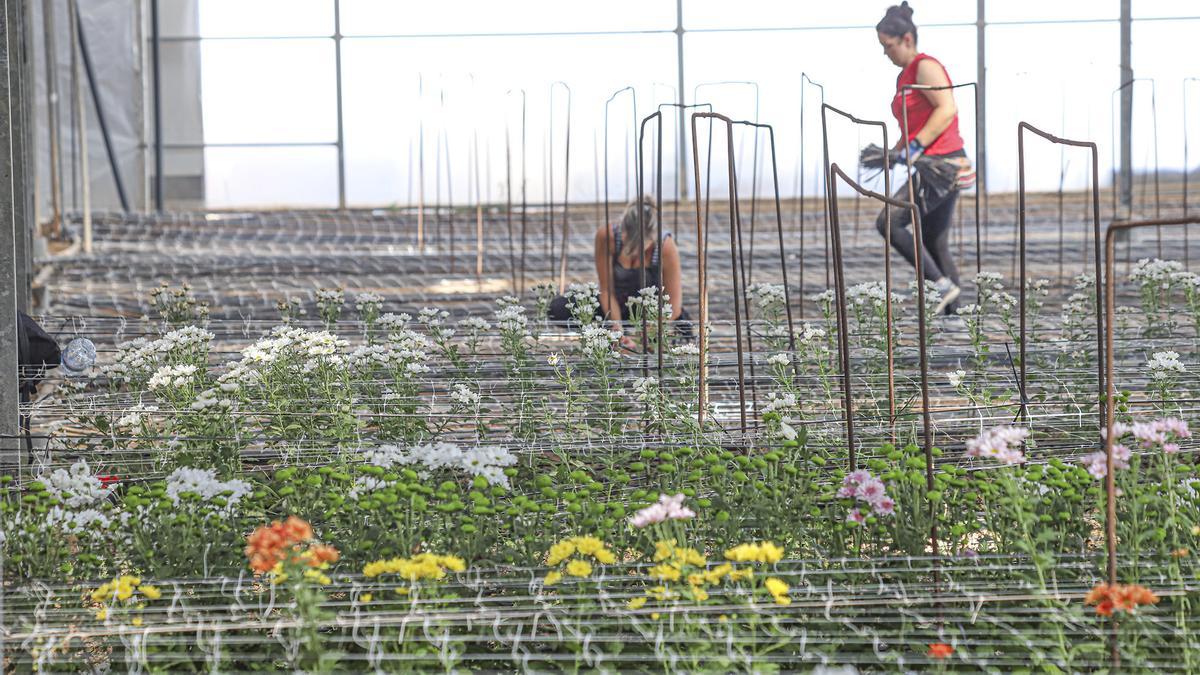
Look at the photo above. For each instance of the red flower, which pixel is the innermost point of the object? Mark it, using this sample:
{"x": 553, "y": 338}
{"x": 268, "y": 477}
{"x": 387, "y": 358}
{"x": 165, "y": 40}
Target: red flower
{"x": 939, "y": 650}
{"x": 108, "y": 480}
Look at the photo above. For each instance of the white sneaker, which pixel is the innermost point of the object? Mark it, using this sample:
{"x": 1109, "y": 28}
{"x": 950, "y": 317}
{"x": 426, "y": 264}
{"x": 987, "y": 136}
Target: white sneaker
{"x": 949, "y": 292}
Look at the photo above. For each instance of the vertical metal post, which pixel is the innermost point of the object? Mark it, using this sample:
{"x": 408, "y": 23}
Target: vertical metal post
{"x": 10, "y": 103}
{"x": 1126, "y": 185}
{"x": 81, "y": 119}
{"x": 94, "y": 87}
{"x": 682, "y": 184}
{"x": 22, "y": 205}
{"x": 981, "y": 109}
{"x": 420, "y": 163}
{"x": 52, "y": 114}
{"x": 156, "y": 74}
{"x": 337, "y": 71}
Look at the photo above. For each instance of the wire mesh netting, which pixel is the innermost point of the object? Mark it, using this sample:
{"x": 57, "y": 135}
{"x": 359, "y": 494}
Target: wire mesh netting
{"x": 458, "y": 482}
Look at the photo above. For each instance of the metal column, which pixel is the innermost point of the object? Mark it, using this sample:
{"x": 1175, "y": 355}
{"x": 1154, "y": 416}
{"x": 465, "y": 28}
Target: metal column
{"x": 22, "y": 195}
{"x": 10, "y": 107}
{"x": 341, "y": 136}
{"x": 981, "y": 88}
{"x": 156, "y": 73}
{"x": 1126, "y": 178}
{"x": 682, "y": 169}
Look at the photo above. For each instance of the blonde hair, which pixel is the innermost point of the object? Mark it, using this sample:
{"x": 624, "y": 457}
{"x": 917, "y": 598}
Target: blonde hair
{"x": 638, "y": 225}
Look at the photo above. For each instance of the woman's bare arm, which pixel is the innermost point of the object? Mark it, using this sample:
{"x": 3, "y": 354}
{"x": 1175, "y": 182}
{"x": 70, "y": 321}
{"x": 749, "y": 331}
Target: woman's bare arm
{"x": 931, "y": 73}
{"x": 672, "y": 276}
{"x": 604, "y": 256}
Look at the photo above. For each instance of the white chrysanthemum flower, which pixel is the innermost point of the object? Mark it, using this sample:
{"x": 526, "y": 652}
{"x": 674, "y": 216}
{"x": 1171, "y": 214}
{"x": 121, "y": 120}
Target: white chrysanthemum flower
{"x": 167, "y": 376}
{"x": 463, "y": 395}
{"x": 76, "y": 487}
{"x": 1164, "y": 364}
{"x": 776, "y": 402}
{"x": 956, "y": 377}
{"x": 204, "y": 482}
{"x": 685, "y": 349}
{"x": 486, "y": 461}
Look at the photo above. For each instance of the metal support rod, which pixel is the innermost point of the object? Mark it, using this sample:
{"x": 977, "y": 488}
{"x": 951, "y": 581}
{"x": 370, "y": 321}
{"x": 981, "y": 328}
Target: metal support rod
{"x": 835, "y": 172}
{"x": 887, "y": 274}
{"x": 682, "y": 170}
{"x": 1110, "y": 481}
{"x": 81, "y": 120}
{"x": 1126, "y": 182}
{"x": 702, "y": 272}
{"x": 478, "y": 209}
{"x": 803, "y": 79}
{"x": 10, "y": 104}
{"x": 51, "y": 53}
{"x": 607, "y": 222}
{"x": 19, "y": 58}
{"x": 1187, "y": 169}
{"x": 101, "y": 119}
{"x": 562, "y": 264}
{"x": 787, "y": 299}
{"x": 981, "y": 105}
{"x": 1101, "y": 349}
{"x": 337, "y": 77}
{"x": 156, "y": 74}
{"x": 420, "y": 163}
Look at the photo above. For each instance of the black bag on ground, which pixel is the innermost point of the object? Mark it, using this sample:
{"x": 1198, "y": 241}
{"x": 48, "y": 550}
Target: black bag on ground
{"x": 37, "y": 353}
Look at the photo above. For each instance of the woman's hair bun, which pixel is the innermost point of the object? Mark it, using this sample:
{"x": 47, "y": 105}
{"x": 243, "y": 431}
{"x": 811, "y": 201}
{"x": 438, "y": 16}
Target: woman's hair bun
{"x": 898, "y": 21}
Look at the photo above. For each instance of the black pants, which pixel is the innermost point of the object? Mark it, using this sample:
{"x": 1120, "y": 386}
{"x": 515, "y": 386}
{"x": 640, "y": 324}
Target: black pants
{"x": 937, "y": 217}
{"x": 559, "y": 311}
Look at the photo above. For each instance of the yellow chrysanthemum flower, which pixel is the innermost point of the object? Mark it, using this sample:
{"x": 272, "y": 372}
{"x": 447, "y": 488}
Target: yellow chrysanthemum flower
{"x": 776, "y": 586}
{"x": 741, "y": 575}
{"x": 765, "y": 552}
{"x": 665, "y": 572}
{"x": 366, "y": 597}
{"x": 137, "y": 622}
{"x": 588, "y": 545}
{"x": 663, "y": 549}
{"x": 579, "y": 568}
{"x": 560, "y": 552}
{"x": 691, "y": 556}
{"x": 102, "y": 614}
{"x": 552, "y": 578}
{"x": 717, "y": 573}
{"x": 778, "y": 590}
{"x": 638, "y": 603}
{"x": 605, "y": 557}
{"x": 151, "y": 592}
{"x": 317, "y": 576}
{"x": 659, "y": 593}
{"x": 770, "y": 552}
{"x": 699, "y": 594}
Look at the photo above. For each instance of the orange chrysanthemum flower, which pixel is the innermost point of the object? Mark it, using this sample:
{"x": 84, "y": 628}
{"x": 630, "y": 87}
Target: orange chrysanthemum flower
{"x": 1119, "y": 598}
{"x": 939, "y": 650}
{"x": 266, "y": 546}
{"x": 321, "y": 554}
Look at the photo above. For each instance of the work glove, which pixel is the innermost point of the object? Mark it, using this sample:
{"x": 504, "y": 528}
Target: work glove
{"x": 902, "y": 155}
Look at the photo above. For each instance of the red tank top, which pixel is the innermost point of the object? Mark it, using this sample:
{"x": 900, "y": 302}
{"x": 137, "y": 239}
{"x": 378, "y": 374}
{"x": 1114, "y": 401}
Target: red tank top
{"x": 919, "y": 109}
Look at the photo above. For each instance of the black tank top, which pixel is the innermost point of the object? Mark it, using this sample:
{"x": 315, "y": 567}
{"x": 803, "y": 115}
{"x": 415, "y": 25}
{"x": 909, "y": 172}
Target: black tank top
{"x": 627, "y": 281}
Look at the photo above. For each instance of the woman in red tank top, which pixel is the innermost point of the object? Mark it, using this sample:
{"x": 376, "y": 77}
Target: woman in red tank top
{"x": 932, "y": 130}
